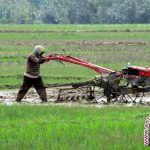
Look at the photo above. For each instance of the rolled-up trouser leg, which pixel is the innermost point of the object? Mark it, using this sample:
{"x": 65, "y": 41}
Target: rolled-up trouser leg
{"x": 24, "y": 88}
{"x": 42, "y": 93}
{"x": 39, "y": 86}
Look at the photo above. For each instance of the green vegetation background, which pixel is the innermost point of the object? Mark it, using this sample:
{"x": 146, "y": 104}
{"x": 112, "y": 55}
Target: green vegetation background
{"x": 74, "y": 12}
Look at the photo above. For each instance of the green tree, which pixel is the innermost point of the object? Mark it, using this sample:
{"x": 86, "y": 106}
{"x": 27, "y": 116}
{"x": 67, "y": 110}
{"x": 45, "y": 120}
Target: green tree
{"x": 70, "y": 11}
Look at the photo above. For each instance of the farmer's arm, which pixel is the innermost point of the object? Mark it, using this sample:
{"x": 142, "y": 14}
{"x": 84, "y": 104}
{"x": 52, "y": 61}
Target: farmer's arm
{"x": 36, "y": 60}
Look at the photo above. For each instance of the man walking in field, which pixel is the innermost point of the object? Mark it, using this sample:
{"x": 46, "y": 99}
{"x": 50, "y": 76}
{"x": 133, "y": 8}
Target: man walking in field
{"x": 32, "y": 75}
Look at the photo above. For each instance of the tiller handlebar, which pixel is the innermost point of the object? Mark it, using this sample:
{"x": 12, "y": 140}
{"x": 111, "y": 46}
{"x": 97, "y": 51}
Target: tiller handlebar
{"x": 75, "y": 60}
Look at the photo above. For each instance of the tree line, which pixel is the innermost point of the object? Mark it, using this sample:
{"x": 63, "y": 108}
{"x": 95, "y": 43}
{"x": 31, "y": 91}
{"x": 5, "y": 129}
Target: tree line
{"x": 74, "y": 11}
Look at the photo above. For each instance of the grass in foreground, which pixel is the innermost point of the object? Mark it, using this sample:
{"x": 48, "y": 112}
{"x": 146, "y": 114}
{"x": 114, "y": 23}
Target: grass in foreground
{"x": 70, "y": 128}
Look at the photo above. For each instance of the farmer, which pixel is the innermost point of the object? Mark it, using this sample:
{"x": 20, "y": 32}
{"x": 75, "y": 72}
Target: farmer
{"x": 32, "y": 75}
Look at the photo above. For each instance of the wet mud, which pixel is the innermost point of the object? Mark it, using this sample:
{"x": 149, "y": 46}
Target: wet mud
{"x": 68, "y": 96}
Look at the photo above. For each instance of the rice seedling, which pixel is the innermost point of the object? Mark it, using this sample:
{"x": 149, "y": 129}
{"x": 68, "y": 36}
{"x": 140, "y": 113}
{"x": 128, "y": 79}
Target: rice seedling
{"x": 63, "y": 127}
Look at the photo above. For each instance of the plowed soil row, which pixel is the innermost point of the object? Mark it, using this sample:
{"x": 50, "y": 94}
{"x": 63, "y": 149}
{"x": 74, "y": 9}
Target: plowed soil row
{"x": 80, "y": 43}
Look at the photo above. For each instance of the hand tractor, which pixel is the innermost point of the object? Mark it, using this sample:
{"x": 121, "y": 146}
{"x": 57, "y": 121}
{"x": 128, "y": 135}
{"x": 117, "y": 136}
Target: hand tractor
{"x": 126, "y": 85}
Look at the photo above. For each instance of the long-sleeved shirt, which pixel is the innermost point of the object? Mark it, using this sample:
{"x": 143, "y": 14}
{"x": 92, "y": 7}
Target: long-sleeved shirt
{"x": 33, "y": 66}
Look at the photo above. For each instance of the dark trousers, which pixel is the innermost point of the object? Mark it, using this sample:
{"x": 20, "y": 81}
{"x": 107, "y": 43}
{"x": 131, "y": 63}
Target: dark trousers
{"x": 37, "y": 83}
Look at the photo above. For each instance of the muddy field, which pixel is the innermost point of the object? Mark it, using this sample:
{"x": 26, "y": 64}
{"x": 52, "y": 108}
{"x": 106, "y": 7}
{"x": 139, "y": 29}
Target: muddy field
{"x": 76, "y": 95}
{"x": 108, "y": 46}
{"x": 68, "y": 96}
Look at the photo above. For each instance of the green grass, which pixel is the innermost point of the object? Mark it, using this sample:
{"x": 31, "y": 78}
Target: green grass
{"x": 76, "y": 27}
{"x": 76, "y": 36}
{"x": 70, "y": 128}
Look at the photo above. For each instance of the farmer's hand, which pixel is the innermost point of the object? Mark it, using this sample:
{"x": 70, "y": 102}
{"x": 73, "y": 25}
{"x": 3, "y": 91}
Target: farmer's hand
{"x": 46, "y": 59}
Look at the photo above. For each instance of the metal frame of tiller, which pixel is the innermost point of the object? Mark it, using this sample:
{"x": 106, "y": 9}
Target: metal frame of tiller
{"x": 129, "y": 84}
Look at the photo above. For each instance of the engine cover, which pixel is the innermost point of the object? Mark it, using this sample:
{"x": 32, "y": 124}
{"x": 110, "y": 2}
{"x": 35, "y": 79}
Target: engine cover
{"x": 137, "y": 71}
